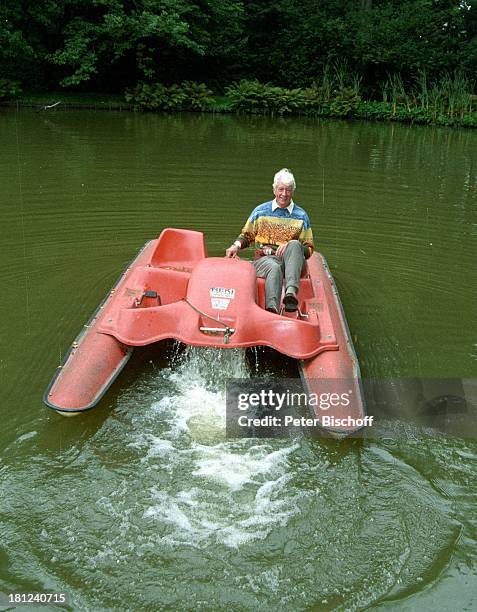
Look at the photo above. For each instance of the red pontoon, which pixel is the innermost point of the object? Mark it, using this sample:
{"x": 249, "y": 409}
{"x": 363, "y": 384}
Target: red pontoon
{"x": 173, "y": 290}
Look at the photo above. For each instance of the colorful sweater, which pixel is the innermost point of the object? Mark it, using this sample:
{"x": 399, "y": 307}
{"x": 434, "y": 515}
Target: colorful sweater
{"x": 267, "y": 227}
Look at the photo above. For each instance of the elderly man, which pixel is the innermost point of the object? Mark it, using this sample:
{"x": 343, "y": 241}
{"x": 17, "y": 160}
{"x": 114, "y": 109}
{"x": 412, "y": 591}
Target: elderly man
{"x": 283, "y": 240}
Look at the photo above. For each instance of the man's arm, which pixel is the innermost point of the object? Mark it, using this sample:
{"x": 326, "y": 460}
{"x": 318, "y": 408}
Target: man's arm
{"x": 246, "y": 237}
{"x": 233, "y": 249}
{"x": 306, "y": 238}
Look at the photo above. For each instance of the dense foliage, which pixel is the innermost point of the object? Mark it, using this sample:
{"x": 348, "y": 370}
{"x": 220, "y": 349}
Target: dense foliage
{"x": 447, "y": 101}
{"x": 254, "y": 97}
{"x": 187, "y": 96}
{"x": 108, "y": 45}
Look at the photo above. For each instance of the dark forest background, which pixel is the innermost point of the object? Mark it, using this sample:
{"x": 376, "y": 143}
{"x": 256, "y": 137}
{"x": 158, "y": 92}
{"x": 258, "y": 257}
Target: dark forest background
{"x": 109, "y": 45}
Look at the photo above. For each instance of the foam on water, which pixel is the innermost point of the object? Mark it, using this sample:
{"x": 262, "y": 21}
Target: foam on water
{"x": 234, "y": 498}
{"x": 233, "y": 491}
{"x": 195, "y": 403}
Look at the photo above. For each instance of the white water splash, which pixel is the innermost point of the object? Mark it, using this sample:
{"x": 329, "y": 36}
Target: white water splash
{"x": 233, "y": 491}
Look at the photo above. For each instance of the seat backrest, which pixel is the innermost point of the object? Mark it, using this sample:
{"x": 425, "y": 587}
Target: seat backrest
{"x": 179, "y": 249}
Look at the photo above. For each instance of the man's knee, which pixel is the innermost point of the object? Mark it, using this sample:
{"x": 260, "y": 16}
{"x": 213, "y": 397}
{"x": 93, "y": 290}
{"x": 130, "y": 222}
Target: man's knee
{"x": 267, "y": 266}
{"x": 275, "y": 268}
{"x": 294, "y": 250}
{"x": 294, "y": 245}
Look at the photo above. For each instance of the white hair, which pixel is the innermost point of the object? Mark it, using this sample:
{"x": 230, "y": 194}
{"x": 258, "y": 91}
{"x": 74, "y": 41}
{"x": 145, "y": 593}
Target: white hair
{"x": 285, "y": 177}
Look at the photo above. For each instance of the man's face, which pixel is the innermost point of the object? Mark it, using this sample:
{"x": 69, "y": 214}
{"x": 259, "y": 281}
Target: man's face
{"x": 283, "y": 194}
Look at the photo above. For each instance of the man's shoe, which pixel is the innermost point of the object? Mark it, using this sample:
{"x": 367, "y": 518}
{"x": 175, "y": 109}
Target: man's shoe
{"x": 272, "y": 309}
{"x": 290, "y": 302}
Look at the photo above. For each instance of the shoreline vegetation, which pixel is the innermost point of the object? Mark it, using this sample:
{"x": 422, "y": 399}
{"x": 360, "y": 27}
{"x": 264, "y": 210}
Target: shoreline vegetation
{"x": 412, "y": 61}
{"x": 446, "y": 102}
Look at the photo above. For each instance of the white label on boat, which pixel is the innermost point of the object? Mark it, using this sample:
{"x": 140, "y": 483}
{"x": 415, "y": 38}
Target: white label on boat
{"x": 222, "y": 292}
{"x": 219, "y": 303}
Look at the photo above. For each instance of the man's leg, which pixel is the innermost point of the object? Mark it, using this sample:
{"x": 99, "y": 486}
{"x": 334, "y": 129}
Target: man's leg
{"x": 270, "y": 268}
{"x": 293, "y": 260}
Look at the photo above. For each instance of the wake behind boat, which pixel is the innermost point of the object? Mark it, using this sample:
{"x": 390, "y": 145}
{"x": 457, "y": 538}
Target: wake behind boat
{"x": 172, "y": 290}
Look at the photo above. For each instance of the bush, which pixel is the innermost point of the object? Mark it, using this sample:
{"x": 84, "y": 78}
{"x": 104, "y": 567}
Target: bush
{"x": 254, "y": 97}
{"x": 344, "y": 102}
{"x": 198, "y": 97}
{"x": 314, "y": 99}
{"x": 247, "y": 96}
{"x": 158, "y": 97}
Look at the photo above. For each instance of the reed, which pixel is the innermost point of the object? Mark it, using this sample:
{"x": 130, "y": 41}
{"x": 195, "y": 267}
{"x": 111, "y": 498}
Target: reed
{"x": 395, "y": 93}
{"x": 422, "y": 93}
{"x": 450, "y": 96}
{"x": 335, "y": 78}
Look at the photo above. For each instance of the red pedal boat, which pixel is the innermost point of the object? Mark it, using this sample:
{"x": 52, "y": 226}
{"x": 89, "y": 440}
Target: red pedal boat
{"x": 173, "y": 290}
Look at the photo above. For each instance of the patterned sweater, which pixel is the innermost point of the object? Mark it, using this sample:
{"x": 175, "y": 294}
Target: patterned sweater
{"x": 267, "y": 227}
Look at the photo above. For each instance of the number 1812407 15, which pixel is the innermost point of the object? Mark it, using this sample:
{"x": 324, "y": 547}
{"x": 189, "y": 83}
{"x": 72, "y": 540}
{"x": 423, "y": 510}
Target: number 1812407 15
{"x": 36, "y": 598}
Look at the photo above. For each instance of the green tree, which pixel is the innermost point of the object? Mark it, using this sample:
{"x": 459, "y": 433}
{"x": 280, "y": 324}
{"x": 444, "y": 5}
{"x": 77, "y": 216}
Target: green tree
{"x": 26, "y": 28}
{"x": 111, "y": 44}
{"x": 146, "y": 39}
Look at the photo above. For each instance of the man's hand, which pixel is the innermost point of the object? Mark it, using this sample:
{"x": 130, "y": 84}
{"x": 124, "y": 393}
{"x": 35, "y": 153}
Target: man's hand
{"x": 232, "y": 251}
{"x": 281, "y": 249}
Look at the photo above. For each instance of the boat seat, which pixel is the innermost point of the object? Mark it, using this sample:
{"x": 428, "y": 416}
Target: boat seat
{"x": 178, "y": 250}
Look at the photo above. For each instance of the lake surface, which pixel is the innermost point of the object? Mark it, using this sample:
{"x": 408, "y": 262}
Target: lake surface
{"x": 142, "y": 503}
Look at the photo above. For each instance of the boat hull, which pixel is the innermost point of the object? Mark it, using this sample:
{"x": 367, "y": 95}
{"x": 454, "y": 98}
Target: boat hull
{"x": 335, "y": 371}
{"x": 94, "y": 360}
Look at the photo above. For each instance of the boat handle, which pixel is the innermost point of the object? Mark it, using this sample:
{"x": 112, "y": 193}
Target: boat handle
{"x": 227, "y": 331}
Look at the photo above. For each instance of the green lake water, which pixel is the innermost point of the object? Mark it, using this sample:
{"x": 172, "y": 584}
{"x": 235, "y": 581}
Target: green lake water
{"x": 142, "y": 504}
